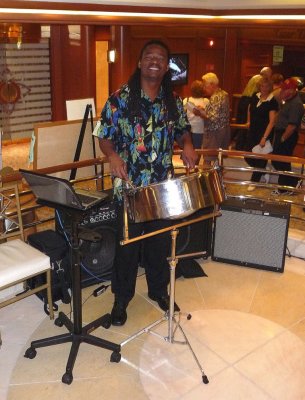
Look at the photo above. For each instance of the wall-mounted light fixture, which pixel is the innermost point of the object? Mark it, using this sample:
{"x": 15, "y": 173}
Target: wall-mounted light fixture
{"x": 111, "y": 55}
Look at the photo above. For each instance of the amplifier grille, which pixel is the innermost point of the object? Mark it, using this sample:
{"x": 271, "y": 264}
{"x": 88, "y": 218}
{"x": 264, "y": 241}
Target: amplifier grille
{"x": 250, "y": 239}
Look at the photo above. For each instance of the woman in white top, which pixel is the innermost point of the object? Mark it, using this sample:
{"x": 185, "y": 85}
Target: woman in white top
{"x": 196, "y": 101}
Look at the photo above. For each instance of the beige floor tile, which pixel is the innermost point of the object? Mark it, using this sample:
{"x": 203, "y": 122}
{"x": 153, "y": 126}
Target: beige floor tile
{"x": 228, "y": 286}
{"x": 280, "y": 298}
{"x": 115, "y": 387}
{"x": 299, "y": 329}
{"x": 228, "y": 344}
{"x": 228, "y": 385}
{"x": 277, "y": 367}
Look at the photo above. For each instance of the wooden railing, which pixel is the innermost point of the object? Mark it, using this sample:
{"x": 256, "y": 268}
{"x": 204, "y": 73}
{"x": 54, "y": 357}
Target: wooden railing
{"x": 32, "y": 206}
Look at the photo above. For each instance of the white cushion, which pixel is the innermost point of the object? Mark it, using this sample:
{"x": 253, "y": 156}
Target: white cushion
{"x": 19, "y": 260}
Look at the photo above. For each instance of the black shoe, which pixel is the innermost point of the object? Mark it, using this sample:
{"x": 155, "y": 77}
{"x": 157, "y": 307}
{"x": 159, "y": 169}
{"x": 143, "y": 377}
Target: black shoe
{"x": 118, "y": 314}
{"x": 163, "y": 302}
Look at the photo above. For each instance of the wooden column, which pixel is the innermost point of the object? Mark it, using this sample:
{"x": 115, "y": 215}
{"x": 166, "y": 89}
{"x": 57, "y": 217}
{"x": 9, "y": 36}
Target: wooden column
{"x": 231, "y": 67}
{"x": 72, "y": 66}
{"x": 57, "y": 77}
{"x": 120, "y": 70}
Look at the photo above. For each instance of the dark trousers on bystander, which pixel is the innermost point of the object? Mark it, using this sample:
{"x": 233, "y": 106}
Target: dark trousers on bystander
{"x": 284, "y": 149}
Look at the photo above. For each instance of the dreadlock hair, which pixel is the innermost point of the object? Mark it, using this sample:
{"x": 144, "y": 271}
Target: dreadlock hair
{"x": 134, "y": 83}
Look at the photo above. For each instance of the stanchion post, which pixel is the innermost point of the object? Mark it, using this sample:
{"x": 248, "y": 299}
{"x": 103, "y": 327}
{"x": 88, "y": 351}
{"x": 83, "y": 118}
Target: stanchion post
{"x": 172, "y": 263}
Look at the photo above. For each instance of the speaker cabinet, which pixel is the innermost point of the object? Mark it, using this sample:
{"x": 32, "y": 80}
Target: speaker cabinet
{"x": 97, "y": 256}
{"x": 252, "y": 233}
{"x": 97, "y": 232}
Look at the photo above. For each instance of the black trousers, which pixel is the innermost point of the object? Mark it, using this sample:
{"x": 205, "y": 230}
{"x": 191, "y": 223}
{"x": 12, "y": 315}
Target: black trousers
{"x": 153, "y": 252}
{"x": 240, "y": 135}
{"x": 285, "y": 149}
{"x": 253, "y": 140}
{"x": 256, "y": 163}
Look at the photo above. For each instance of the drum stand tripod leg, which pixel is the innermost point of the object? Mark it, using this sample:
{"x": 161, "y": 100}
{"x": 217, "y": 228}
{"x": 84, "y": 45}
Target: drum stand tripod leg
{"x": 172, "y": 323}
{"x": 203, "y": 375}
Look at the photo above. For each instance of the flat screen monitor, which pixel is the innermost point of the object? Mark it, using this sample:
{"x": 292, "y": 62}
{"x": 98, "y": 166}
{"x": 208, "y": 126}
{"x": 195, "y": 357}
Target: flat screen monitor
{"x": 178, "y": 64}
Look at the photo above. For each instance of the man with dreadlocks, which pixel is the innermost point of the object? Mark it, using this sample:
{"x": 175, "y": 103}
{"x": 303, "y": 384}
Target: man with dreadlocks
{"x": 138, "y": 126}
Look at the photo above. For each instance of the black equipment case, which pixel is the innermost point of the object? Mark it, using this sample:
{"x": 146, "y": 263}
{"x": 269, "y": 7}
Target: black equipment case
{"x": 55, "y": 246}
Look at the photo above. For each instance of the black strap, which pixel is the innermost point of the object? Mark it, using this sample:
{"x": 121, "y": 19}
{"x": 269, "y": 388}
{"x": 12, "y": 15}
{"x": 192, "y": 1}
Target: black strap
{"x": 66, "y": 298}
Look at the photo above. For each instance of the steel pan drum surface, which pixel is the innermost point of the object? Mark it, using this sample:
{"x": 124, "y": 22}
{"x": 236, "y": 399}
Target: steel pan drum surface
{"x": 175, "y": 198}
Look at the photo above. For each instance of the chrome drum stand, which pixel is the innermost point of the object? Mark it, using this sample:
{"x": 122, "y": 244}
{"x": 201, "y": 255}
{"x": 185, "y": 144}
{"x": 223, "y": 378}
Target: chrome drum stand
{"x": 172, "y": 317}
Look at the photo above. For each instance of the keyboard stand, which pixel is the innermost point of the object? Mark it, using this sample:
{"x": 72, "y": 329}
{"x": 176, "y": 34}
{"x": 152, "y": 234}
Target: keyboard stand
{"x": 77, "y": 333}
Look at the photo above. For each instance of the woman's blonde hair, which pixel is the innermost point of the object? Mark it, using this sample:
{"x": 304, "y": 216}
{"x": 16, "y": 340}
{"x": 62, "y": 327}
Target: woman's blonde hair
{"x": 264, "y": 81}
{"x": 251, "y": 86}
{"x": 210, "y": 77}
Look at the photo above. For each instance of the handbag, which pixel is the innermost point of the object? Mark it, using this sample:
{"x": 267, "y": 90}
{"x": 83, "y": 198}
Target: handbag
{"x": 263, "y": 150}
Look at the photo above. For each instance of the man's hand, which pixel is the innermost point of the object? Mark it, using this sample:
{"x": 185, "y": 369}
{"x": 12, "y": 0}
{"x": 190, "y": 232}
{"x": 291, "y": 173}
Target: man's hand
{"x": 118, "y": 166}
{"x": 189, "y": 156}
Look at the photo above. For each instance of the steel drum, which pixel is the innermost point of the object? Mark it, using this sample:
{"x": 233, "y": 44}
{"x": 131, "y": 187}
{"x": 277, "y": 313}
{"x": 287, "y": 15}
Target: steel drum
{"x": 175, "y": 198}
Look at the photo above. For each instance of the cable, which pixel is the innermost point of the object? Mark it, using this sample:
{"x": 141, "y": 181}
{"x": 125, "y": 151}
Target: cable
{"x": 288, "y": 252}
{"x": 68, "y": 241}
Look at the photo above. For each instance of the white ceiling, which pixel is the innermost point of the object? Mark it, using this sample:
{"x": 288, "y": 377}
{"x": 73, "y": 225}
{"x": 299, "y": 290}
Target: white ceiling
{"x": 199, "y": 4}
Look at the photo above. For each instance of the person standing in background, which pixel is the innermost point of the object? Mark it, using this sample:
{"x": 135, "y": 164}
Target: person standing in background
{"x": 286, "y": 131}
{"x": 250, "y": 89}
{"x": 261, "y": 116}
{"x": 216, "y": 115}
{"x": 242, "y": 108}
{"x": 277, "y": 80}
{"x": 196, "y": 100}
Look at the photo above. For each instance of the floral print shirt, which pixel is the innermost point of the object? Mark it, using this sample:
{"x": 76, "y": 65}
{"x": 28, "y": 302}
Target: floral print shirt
{"x": 217, "y": 111}
{"x": 145, "y": 142}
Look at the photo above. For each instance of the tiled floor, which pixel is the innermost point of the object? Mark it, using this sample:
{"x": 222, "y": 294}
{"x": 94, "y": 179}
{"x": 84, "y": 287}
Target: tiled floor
{"x": 247, "y": 330}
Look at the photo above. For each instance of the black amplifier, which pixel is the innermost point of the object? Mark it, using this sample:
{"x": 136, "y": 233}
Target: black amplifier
{"x": 252, "y": 233}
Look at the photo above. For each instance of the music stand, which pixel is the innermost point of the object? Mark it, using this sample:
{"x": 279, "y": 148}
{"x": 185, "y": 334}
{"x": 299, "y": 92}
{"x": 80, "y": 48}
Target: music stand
{"x": 77, "y": 333}
{"x": 169, "y": 316}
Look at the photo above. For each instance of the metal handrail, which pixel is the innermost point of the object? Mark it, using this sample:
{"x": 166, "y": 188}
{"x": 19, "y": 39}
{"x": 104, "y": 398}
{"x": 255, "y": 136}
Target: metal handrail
{"x": 298, "y": 172}
{"x": 220, "y": 155}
